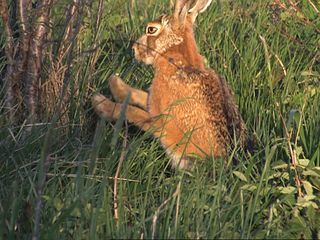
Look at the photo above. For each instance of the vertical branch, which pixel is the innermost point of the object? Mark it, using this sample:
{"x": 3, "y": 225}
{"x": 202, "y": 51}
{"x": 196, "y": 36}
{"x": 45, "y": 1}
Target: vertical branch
{"x": 59, "y": 73}
{"x": 35, "y": 58}
{"x": 9, "y": 47}
{"x": 162, "y": 205}
{"x": 68, "y": 31}
{"x": 22, "y": 48}
{"x": 23, "y": 6}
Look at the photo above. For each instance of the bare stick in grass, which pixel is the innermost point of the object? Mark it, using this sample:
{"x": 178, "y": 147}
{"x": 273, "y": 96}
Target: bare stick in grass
{"x": 162, "y": 205}
{"x": 124, "y": 150}
{"x": 68, "y": 31}
{"x": 9, "y": 51}
{"x": 116, "y": 176}
{"x": 35, "y": 58}
{"x": 22, "y": 53}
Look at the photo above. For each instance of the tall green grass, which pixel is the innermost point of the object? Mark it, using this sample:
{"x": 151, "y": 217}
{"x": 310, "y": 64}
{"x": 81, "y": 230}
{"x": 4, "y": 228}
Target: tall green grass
{"x": 272, "y": 63}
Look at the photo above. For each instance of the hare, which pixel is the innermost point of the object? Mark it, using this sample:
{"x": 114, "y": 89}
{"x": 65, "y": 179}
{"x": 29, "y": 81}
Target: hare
{"x": 189, "y": 107}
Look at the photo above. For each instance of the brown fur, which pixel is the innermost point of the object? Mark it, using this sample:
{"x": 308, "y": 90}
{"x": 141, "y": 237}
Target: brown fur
{"x": 190, "y": 108}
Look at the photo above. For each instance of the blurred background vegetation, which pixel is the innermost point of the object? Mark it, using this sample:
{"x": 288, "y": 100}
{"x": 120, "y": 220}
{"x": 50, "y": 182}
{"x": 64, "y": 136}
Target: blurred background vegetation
{"x": 66, "y": 174}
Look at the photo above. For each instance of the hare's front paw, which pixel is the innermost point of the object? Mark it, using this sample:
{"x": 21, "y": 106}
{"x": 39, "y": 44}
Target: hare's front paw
{"x": 118, "y": 88}
{"x": 103, "y": 106}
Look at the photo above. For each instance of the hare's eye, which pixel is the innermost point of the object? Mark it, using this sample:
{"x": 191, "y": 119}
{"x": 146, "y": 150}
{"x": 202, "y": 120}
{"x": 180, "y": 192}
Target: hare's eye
{"x": 152, "y": 30}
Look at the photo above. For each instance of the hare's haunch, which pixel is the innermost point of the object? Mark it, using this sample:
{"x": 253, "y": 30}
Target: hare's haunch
{"x": 190, "y": 108}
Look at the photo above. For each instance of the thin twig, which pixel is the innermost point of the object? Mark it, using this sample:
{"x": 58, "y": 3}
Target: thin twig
{"x": 68, "y": 31}
{"x": 4, "y": 10}
{"x": 313, "y": 6}
{"x": 281, "y": 64}
{"x": 35, "y": 59}
{"x": 116, "y": 176}
{"x": 23, "y": 11}
{"x": 162, "y": 205}
{"x": 90, "y": 177}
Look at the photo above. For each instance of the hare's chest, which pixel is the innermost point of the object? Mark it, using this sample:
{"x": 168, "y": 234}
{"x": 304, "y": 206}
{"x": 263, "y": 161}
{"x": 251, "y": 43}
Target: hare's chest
{"x": 159, "y": 98}
{"x": 167, "y": 94}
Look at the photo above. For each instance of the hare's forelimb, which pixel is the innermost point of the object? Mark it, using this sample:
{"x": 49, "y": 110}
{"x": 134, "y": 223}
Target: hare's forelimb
{"x": 120, "y": 90}
{"x": 111, "y": 111}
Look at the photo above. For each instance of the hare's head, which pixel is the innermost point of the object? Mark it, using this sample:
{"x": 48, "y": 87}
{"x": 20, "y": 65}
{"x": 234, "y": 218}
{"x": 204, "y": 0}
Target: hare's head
{"x": 171, "y": 37}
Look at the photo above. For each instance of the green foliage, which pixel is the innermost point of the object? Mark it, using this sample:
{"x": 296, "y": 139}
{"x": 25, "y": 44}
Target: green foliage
{"x": 269, "y": 56}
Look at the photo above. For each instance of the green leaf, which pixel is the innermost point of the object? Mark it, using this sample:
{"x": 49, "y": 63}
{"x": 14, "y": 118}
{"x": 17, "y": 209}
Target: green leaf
{"x": 249, "y": 187}
{"x": 281, "y": 175}
{"x": 310, "y": 173}
{"x": 303, "y": 162}
{"x": 308, "y": 187}
{"x": 240, "y": 175}
{"x": 287, "y": 190}
{"x": 299, "y": 150}
{"x": 281, "y": 166}
{"x": 306, "y": 201}
{"x": 57, "y": 203}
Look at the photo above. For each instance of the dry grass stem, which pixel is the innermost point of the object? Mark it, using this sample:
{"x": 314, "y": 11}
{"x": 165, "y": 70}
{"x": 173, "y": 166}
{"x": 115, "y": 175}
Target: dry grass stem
{"x": 116, "y": 176}
{"x": 158, "y": 211}
{"x": 91, "y": 177}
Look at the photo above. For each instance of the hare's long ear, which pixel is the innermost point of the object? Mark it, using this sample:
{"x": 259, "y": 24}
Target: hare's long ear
{"x": 178, "y": 7}
{"x": 199, "y": 6}
{"x": 181, "y": 10}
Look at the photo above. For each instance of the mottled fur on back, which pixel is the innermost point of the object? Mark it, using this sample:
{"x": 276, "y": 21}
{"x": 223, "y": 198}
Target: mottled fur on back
{"x": 190, "y": 108}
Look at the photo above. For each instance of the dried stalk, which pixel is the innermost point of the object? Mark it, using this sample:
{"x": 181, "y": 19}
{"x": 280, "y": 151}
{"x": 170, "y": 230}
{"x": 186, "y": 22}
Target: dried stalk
{"x": 35, "y": 58}
{"x": 9, "y": 54}
{"x": 116, "y": 176}
{"x": 157, "y": 213}
{"x": 22, "y": 50}
{"x": 56, "y": 86}
{"x": 68, "y": 31}
{"x": 313, "y": 6}
{"x": 25, "y": 58}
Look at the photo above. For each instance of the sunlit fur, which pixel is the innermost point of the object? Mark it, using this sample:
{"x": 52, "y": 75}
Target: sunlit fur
{"x": 190, "y": 108}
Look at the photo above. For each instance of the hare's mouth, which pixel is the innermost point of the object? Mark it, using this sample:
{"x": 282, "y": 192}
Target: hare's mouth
{"x": 137, "y": 54}
{"x": 142, "y": 54}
